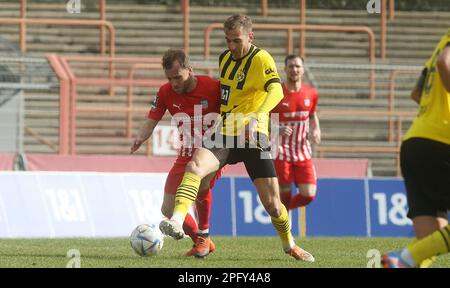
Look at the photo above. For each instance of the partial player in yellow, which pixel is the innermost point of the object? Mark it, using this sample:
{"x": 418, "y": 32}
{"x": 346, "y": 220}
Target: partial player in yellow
{"x": 250, "y": 89}
{"x": 425, "y": 163}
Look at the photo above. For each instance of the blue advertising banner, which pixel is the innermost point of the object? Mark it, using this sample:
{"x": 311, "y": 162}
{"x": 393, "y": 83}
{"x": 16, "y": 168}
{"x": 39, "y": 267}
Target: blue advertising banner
{"x": 222, "y": 217}
{"x": 388, "y": 208}
{"x": 251, "y": 217}
{"x": 339, "y": 209}
{"x": 74, "y": 204}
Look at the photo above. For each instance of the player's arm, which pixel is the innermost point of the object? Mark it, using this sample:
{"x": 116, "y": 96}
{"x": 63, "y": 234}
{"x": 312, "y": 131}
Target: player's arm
{"x": 274, "y": 96}
{"x": 443, "y": 66}
{"x": 270, "y": 83}
{"x": 316, "y": 127}
{"x": 144, "y": 133}
{"x": 158, "y": 108}
{"x": 283, "y": 130}
{"x": 416, "y": 93}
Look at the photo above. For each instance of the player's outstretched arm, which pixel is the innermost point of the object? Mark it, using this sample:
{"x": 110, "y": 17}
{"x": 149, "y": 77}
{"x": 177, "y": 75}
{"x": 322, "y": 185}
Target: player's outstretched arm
{"x": 443, "y": 66}
{"x": 144, "y": 133}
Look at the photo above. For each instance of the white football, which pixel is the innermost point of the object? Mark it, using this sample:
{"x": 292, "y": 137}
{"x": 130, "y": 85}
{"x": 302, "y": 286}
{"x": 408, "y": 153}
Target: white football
{"x": 146, "y": 240}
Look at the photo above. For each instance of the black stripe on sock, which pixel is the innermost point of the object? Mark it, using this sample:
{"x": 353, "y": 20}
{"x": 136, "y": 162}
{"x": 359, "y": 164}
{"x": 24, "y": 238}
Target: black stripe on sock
{"x": 190, "y": 189}
{"x": 187, "y": 191}
{"x": 187, "y": 186}
{"x": 185, "y": 196}
{"x": 282, "y": 227}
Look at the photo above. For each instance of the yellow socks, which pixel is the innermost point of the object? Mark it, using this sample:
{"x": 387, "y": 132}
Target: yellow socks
{"x": 186, "y": 194}
{"x": 283, "y": 226}
{"x": 427, "y": 262}
{"x": 432, "y": 245}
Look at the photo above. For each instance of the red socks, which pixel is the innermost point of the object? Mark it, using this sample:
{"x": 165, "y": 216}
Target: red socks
{"x": 203, "y": 204}
{"x": 299, "y": 201}
{"x": 190, "y": 227}
{"x": 286, "y": 198}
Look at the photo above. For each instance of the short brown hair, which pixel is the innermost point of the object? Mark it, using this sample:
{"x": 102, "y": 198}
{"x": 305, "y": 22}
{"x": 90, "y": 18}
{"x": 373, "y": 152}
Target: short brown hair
{"x": 173, "y": 55}
{"x": 292, "y": 56}
{"x": 238, "y": 21}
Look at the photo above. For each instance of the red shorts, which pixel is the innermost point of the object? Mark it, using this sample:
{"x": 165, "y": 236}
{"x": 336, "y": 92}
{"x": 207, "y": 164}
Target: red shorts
{"x": 297, "y": 172}
{"x": 176, "y": 175}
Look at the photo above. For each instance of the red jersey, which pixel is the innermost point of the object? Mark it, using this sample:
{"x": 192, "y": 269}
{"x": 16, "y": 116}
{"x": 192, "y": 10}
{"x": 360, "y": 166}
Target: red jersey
{"x": 294, "y": 111}
{"x": 187, "y": 111}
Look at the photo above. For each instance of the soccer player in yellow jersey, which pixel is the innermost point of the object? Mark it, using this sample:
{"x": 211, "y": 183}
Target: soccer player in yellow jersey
{"x": 250, "y": 89}
{"x": 425, "y": 163}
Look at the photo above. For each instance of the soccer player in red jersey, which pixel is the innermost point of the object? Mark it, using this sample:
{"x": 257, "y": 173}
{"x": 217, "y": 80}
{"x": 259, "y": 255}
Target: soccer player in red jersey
{"x": 188, "y": 99}
{"x": 296, "y": 111}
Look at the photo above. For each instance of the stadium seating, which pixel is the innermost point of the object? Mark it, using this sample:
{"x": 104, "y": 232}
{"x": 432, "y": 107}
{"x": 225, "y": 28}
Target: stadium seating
{"x": 150, "y": 29}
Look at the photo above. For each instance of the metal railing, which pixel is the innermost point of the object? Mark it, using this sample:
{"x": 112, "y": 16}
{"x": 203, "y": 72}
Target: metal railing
{"x": 383, "y": 26}
{"x": 23, "y": 21}
{"x": 400, "y": 116}
{"x": 68, "y": 91}
{"x": 391, "y": 99}
{"x": 289, "y": 49}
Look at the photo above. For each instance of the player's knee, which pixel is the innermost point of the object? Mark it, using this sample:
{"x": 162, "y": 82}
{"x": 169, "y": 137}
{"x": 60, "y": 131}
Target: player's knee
{"x": 308, "y": 191}
{"x": 285, "y": 189}
{"x": 194, "y": 168}
{"x": 273, "y": 208}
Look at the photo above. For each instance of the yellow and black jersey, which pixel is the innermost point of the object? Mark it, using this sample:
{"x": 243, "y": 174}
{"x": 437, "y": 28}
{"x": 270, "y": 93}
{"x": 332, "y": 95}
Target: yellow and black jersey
{"x": 244, "y": 83}
{"x": 433, "y": 119}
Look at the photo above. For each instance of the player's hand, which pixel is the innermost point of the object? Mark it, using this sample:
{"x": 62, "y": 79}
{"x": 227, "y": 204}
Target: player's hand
{"x": 286, "y": 131}
{"x": 316, "y": 136}
{"x": 135, "y": 145}
{"x": 252, "y": 129}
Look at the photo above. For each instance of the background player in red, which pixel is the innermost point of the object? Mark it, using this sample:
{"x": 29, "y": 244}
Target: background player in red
{"x": 179, "y": 96}
{"x": 293, "y": 162}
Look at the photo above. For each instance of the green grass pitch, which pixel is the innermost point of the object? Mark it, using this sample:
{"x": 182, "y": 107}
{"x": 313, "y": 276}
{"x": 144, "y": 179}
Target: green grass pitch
{"x": 240, "y": 252}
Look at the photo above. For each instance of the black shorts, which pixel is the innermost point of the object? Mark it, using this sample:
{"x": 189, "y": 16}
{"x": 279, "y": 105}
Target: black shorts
{"x": 234, "y": 149}
{"x": 425, "y": 167}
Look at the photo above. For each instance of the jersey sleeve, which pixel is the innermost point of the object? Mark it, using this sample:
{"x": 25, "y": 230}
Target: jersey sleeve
{"x": 158, "y": 107}
{"x": 267, "y": 70}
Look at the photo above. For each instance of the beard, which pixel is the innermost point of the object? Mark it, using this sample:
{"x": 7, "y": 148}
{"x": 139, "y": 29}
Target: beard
{"x": 294, "y": 78}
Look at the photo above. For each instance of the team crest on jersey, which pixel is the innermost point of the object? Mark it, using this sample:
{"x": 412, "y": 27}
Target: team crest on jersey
{"x": 204, "y": 103}
{"x": 240, "y": 76}
{"x": 307, "y": 102}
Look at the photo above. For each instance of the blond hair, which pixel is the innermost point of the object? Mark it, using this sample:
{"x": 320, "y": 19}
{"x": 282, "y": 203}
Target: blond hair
{"x": 238, "y": 21}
